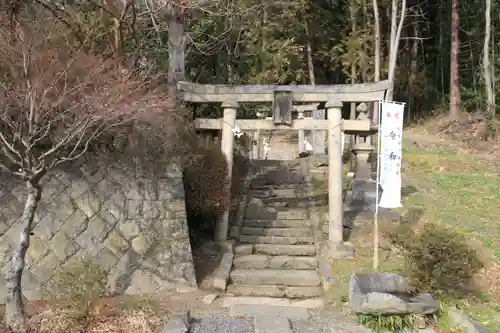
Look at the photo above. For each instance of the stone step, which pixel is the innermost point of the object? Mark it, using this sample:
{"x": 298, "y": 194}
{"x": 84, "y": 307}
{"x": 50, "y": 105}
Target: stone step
{"x": 311, "y": 303}
{"x": 272, "y": 214}
{"x": 279, "y": 193}
{"x": 282, "y": 186}
{"x": 262, "y": 261}
{"x": 295, "y": 203}
{"x": 277, "y": 183}
{"x": 281, "y": 232}
{"x": 275, "y": 291}
{"x": 287, "y": 250}
{"x": 281, "y": 174}
{"x": 276, "y": 223}
{"x": 276, "y": 240}
{"x": 301, "y": 278}
{"x": 257, "y": 310}
{"x": 284, "y": 175}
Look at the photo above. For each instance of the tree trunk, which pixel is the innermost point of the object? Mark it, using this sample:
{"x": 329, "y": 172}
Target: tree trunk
{"x": 352, "y": 12}
{"x": 413, "y": 68}
{"x": 455, "y": 98}
{"x": 376, "y": 24}
{"x": 487, "y": 72}
{"x": 176, "y": 52}
{"x": 14, "y": 308}
{"x": 441, "y": 48}
{"x": 394, "y": 44}
{"x": 263, "y": 40}
{"x": 310, "y": 63}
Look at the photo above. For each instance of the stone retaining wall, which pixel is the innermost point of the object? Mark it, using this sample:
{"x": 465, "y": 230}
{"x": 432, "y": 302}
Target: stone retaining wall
{"x": 133, "y": 225}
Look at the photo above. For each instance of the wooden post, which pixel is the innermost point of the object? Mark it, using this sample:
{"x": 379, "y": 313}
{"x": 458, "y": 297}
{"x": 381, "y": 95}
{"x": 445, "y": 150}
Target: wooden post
{"x": 302, "y": 137}
{"x": 335, "y": 173}
{"x": 227, "y": 146}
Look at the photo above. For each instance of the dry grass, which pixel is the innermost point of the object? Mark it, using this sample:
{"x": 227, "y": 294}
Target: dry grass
{"x": 123, "y": 314}
{"x": 138, "y": 322}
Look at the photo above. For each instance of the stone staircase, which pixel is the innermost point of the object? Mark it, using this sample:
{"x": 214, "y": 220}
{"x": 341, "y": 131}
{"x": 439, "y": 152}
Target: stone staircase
{"x": 276, "y": 254}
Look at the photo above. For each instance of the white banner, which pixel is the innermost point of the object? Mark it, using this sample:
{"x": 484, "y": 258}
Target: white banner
{"x": 390, "y": 151}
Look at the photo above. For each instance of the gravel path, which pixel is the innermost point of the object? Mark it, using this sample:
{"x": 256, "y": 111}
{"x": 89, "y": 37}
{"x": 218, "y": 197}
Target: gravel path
{"x": 310, "y": 326}
{"x": 327, "y": 323}
{"x": 222, "y": 323}
{"x": 319, "y": 323}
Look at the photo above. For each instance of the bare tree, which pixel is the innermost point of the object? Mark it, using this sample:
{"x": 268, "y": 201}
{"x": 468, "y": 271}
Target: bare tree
{"x": 376, "y": 23}
{"x": 353, "y": 11}
{"x": 489, "y": 113}
{"x": 455, "y": 98}
{"x": 376, "y": 115}
{"x": 54, "y": 104}
{"x": 396, "y": 29}
{"x": 310, "y": 62}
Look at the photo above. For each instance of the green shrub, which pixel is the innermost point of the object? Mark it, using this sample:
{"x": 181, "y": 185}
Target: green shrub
{"x": 78, "y": 288}
{"x": 438, "y": 260}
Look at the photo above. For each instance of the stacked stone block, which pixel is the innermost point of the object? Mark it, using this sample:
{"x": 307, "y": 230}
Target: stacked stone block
{"x": 133, "y": 225}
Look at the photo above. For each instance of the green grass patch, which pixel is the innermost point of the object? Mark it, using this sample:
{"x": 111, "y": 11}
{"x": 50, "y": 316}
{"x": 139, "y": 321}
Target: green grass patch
{"x": 451, "y": 189}
{"x": 460, "y": 191}
{"x": 463, "y": 192}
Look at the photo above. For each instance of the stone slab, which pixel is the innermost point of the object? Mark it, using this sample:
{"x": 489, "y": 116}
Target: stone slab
{"x": 276, "y": 240}
{"x": 283, "y": 193}
{"x": 292, "y": 215}
{"x": 243, "y": 249}
{"x": 261, "y": 261}
{"x": 290, "y": 250}
{"x": 222, "y": 275}
{"x": 253, "y": 310}
{"x": 302, "y": 278}
{"x": 270, "y": 213}
{"x": 271, "y": 324}
{"x": 275, "y": 291}
{"x": 274, "y": 223}
{"x": 312, "y": 303}
{"x": 268, "y": 187}
{"x": 280, "y": 232}
{"x": 385, "y": 293}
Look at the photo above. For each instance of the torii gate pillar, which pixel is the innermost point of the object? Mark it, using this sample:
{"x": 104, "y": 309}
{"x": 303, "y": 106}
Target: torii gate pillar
{"x": 335, "y": 173}
{"x": 227, "y": 147}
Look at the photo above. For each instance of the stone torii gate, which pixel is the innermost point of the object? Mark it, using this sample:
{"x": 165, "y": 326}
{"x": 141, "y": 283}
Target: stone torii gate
{"x": 282, "y": 98}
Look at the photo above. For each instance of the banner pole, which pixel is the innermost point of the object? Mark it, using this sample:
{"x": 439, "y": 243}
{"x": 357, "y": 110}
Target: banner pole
{"x": 375, "y": 219}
